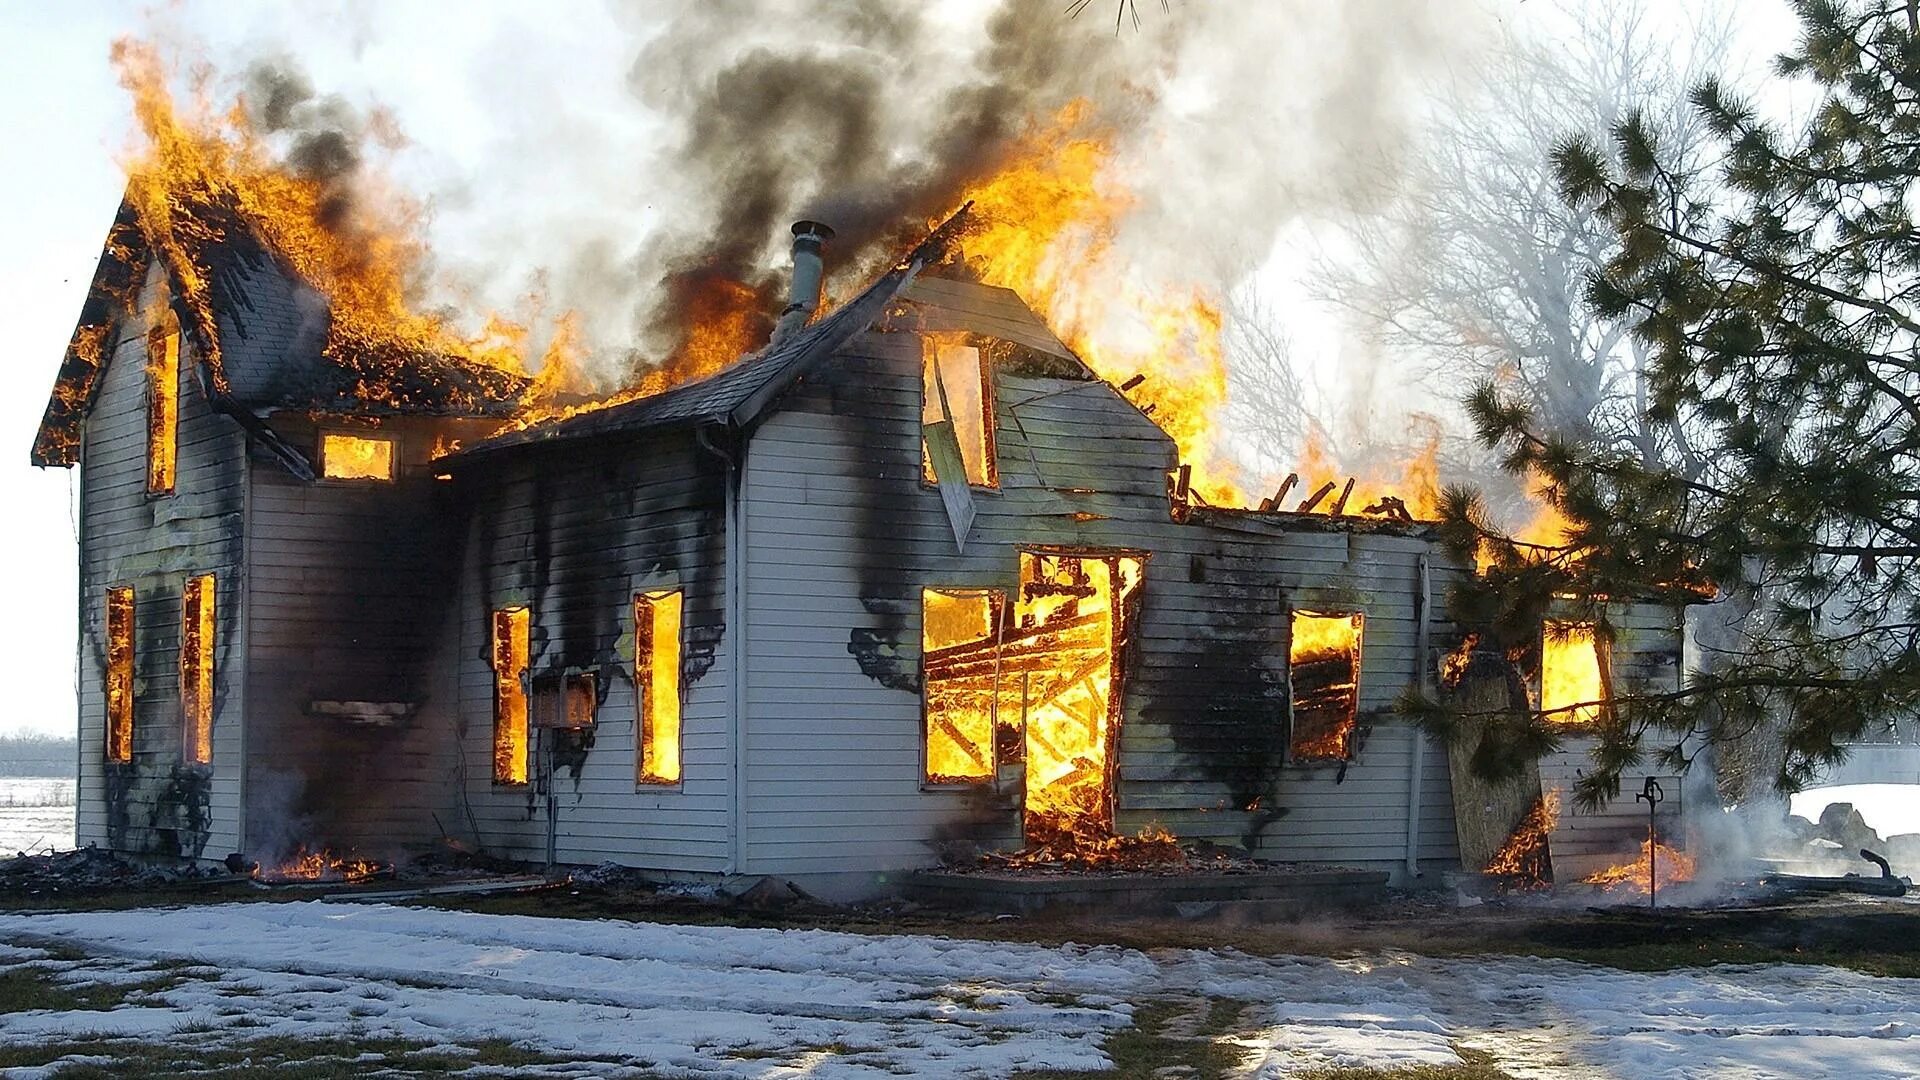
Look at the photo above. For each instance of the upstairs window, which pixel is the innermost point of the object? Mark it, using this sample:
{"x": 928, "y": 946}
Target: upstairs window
{"x": 510, "y": 643}
{"x": 959, "y": 674}
{"x": 1571, "y": 687}
{"x": 120, "y": 674}
{"x": 656, "y": 681}
{"x": 196, "y": 668}
{"x": 956, "y": 414}
{"x": 163, "y": 409}
{"x": 1324, "y": 670}
{"x": 356, "y": 457}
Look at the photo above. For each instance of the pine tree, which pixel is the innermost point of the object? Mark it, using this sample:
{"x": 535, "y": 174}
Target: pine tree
{"x": 1776, "y": 290}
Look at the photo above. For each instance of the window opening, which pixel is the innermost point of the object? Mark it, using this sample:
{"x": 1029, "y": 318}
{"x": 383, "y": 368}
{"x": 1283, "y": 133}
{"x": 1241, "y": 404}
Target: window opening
{"x": 510, "y": 642}
{"x": 656, "y": 677}
{"x": 960, "y": 680}
{"x": 356, "y": 457}
{"x": 1571, "y": 686}
{"x": 196, "y": 667}
{"x": 120, "y": 674}
{"x": 956, "y": 397}
{"x": 1324, "y": 670}
{"x": 163, "y": 409}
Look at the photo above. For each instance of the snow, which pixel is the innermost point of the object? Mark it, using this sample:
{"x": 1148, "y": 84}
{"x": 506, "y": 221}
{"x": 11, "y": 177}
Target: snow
{"x": 733, "y": 1002}
{"x": 1888, "y": 809}
{"x": 36, "y": 814}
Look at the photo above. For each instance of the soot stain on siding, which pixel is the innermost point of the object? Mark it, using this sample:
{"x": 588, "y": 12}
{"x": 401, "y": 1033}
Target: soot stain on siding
{"x": 881, "y": 478}
{"x": 1216, "y": 690}
{"x": 598, "y": 518}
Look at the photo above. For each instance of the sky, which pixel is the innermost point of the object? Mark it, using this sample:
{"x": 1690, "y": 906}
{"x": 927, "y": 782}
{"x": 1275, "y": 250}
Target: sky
{"x": 466, "y": 90}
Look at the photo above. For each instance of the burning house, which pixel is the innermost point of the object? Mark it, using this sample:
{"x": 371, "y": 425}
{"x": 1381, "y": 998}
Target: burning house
{"x": 909, "y": 576}
{"x": 916, "y": 576}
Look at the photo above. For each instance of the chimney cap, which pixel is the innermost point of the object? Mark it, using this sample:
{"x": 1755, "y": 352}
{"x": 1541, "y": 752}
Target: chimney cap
{"x": 812, "y": 228}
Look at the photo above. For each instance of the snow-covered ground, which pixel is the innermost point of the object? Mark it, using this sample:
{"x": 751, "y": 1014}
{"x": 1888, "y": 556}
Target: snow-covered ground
{"x": 36, "y": 814}
{"x": 729, "y": 1002}
{"x": 1888, "y": 809}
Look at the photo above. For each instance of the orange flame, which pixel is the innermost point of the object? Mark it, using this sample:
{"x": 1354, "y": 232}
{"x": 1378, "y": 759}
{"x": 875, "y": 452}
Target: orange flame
{"x": 1045, "y": 227}
{"x": 198, "y": 167}
{"x": 1412, "y": 485}
{"x": 1571, "y": 686}
{"x": 1671, "y": 866}
{"x": 1524, "y": 856}
{"x": 320, "y": 864}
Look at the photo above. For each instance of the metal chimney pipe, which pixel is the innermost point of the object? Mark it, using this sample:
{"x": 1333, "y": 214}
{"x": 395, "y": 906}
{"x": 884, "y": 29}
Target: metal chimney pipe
{"x": 803, "y": 297}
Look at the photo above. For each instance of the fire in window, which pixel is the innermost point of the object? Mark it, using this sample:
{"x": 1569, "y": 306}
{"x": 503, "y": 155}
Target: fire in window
{"x": 163, "y": 409}
{"x": 1324, "y": 669}
{"x": 1571, "y": 686}
{"x": 960, "y": 668}
{"x": 356, "y": 457}
{"x": 956, "y": 417}
{"x": 656, "y": 680}
{"x": 196, "y": 667}
{"x": 120, "y": 674}
{"x": 510, "y": 637}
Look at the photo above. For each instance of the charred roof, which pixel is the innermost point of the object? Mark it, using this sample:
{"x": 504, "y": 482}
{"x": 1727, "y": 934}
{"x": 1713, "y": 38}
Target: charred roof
{"x": 269, "y": 344}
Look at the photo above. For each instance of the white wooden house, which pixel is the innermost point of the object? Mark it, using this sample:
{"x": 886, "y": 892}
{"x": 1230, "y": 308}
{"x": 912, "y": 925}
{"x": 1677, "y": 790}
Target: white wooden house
{"x": 685, "y": 633}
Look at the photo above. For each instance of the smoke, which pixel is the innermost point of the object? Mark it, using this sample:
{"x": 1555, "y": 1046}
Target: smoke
{"x": 630, "y": 169}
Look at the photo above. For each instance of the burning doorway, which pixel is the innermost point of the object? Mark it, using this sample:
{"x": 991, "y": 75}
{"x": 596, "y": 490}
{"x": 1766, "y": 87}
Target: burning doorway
{"x": 1067, "y": 658}
{"x": 1038, "y": 688}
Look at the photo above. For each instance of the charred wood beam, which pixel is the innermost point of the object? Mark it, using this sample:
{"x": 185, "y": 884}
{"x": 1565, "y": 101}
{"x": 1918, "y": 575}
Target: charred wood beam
{"x": 1313, "y": 500}
{"x": 1340, "y": 503}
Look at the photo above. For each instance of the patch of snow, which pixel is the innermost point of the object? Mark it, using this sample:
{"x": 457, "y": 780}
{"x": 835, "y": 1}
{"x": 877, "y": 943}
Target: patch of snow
{"x": 1888, "y": 809}
{"x": 733, "y": 1002}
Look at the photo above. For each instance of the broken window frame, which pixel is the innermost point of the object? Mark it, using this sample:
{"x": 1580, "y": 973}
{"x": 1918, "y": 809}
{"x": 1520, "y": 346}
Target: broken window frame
{"x": 1583, "y": 719}
{"x": 996, "y": 615}
{"x": 392, "y": 443}
{"x": 199, "y": 628}
{"x": 930, "y": 343}
{"x": 512, "y": 729}
{"x": 652, "y": 768}
{"x": 163, "y": 411}
{"x": 1294, "y": 755}
{"x": 119, "y": 686}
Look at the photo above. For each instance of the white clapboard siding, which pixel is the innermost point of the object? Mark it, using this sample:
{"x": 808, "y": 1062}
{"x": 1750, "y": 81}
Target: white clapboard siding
{"x": 569, "y": 531}
{"x": 157, "y": 803}
{"x": 841, "y": 535}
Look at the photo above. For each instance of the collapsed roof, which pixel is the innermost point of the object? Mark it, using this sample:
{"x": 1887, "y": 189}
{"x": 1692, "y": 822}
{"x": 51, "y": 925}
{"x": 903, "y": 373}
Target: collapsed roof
{"x": 266, "y": 341}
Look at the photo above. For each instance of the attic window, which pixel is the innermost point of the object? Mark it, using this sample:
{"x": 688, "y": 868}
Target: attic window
{"x": 163, "y": 409}
{"x": 356, "y": 457}
{"x": 956, "y": 396}
{"x": 510, "y": 643}
{"x": 959, "y": 667}
{"x": 1324, "y": 670}
{"x": 120, "y": 674}
{"x": 656, "y": 680}
{"x": 196, "y": 668}
{"x": 1571, "y": 686}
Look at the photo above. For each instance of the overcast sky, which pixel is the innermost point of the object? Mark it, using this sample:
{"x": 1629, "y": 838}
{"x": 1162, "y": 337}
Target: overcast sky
{"x": 464, "y": 80}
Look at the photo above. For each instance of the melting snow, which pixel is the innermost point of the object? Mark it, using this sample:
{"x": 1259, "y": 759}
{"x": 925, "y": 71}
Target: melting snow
{"x": 730, "y": 1002}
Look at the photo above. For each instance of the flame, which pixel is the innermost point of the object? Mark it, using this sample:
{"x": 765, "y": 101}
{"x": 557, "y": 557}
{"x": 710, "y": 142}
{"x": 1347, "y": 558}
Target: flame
{"x": 1524, "y": 856}
{"x": 1672, "y": 867}
{"x": 202, "y": 171}
{"x": 321, "y": 864}
{"x": 1044, "y": 227}
{"x": 1071, "y": 614}
{"x": 356, "y": 457}
{"x": 1570, "y": 673}
{"x": 1412, "y": 485}
{"x": 1324, "y": 667}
